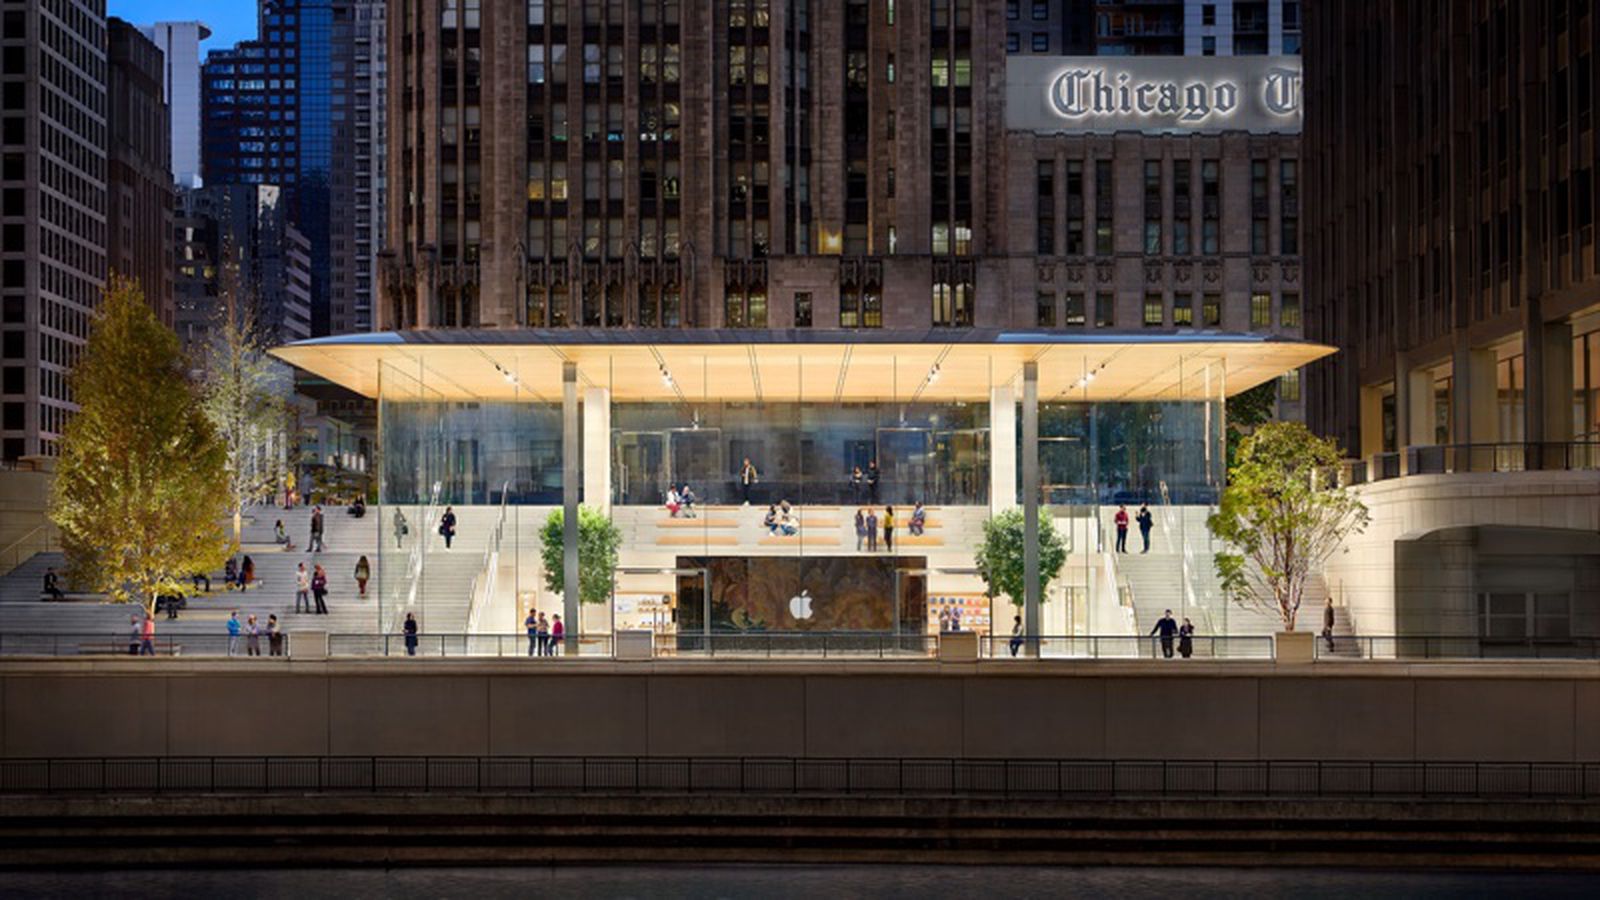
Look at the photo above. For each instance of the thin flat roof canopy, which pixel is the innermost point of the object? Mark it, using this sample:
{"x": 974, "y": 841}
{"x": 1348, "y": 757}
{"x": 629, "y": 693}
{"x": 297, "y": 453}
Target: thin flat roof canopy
{"x": 647, "y": 365}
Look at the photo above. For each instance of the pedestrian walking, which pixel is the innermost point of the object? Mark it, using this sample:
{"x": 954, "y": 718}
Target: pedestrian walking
{"x": 135, "y": 635}
{"x": 1186, "y": 638}
{"x": 861, "y": 526}
{"x": 411, "y": 634}
{"x": 363, "y": 572}
{"x": 747, "y": 478}
{"x": 558, "y": 632}
{"x": 1327, "y": 624}
{"x": 201, "y": 578}
{"x": 147, "y": 636}
{"x": 274, "y": 636}
{"x": 544, "y": 635}
{"x": 302, "y": 589}
{"x": 1146, "y": 522}
{"x": 532, "y": 624}
{"x": 247, "y": 574}
{"x": 1121, "y": 520}
{"x": 233, "y": 633}
{"x": 319, "y": 589}
{"x": 252, "y": 637}
{"x": 1016, "y": 635}
{"x": 51, "y": 584}
{"x": 447, "y": 526}
{"x": 872, "y": 531}
{"x": 888, "y": 528}
{"x": 401, "y": 528}
{"x": 872, "y": 481}
{"x": 315, "y": 545}
{"x": 1167, "y": 628}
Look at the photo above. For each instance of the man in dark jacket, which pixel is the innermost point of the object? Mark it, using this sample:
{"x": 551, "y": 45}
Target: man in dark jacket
{"x": 1146, "y": 522}
{"x": 51, "y": 586}
{"x": 1167, "y": 628}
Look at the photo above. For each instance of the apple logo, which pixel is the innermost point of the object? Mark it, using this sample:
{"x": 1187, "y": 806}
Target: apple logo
{"x": 800, "y": 605}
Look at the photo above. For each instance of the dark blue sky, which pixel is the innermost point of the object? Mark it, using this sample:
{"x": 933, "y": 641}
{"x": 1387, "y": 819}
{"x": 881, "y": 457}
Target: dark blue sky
{"x": 231, "y": 21}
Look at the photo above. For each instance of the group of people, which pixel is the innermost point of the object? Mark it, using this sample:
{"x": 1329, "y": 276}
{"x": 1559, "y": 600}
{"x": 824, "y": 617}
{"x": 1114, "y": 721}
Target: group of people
{"x": 780, "y": 520}
{"x": 949, "y": 619}
{"x": 681, "y": 502}
{"x": 868, "y": 523}
{"x": 280, "y": 534}
{"x": 865, "y": 483}
{"x": 544, "y": 635}
{"x": 251, "y": 632}
{"x": 1167, "y": 628}
{"x": 1145, "y": 520}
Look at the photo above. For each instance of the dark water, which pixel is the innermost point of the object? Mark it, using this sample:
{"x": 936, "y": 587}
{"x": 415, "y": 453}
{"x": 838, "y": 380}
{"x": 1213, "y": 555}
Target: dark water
{"x": 775, "y": 882}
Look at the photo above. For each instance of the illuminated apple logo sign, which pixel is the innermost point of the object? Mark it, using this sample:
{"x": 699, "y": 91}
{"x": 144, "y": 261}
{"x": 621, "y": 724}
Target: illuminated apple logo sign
{"x": 800, "y": 605}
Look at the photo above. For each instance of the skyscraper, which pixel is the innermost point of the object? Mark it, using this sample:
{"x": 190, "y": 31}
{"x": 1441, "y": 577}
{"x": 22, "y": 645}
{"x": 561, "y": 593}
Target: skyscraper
{"x": 139, "y": 181}
{"x": 179, "y": 43}
{"x": 1154, "y": 27}
{"x": 53, "y": 123}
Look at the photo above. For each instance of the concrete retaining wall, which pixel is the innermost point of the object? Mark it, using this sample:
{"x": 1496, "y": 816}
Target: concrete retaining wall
{"x": 1386, "y": 711}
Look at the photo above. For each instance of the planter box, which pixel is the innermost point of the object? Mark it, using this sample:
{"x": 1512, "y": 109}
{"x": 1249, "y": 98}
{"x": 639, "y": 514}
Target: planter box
{"x": 958, "y": 646}
{"x": 1294, "y": 647}
{"x": 308, "y": 645}
{"x": 634, "y": 645}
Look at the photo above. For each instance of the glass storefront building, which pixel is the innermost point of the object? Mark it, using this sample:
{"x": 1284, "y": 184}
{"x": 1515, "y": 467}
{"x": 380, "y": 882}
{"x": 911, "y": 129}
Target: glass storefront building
{"x": 501, "y": 429}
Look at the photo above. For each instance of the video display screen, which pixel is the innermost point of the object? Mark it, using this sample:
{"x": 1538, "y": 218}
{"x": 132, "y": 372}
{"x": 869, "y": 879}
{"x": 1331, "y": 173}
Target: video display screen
{"x": 753, "y": 594}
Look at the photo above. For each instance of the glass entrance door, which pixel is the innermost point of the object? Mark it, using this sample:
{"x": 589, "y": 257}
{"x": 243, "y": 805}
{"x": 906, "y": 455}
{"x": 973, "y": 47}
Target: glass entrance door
{"x": 695, "y": 457}
{"x": 639, "y": 467}
{"x": 961, "y": 471}
{"x": 905, "y": 457}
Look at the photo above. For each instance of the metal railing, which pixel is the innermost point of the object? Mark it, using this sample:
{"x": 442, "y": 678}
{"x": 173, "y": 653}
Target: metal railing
{"x": 1256, "y": 647}
{"x": 780, "y": 645}
{"x": 1023, "y": 779}
{"x": 483, "y": 582}
{"x": 1458, "y": 647}
{"x": 40, "y": 539}
{"x": 123, "y": 643}
{"x": 467, "y": 645}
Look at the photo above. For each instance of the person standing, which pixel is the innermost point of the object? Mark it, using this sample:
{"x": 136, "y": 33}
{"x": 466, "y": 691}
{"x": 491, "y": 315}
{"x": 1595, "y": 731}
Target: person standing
{"x": 1186, "y": 638}
{"x": 544, "y": 635}
{"x": 1016, "y": 635}
{"x": 955, "y": 618}
{"x": 872, "y": 481}
{"x": 233, "y": 633}
{"x": 147, "y": 636}
{"x": 319, "y": 589}
{"x": 401, "y": 529}
{"x": 861, "y": 525}
{"x": 532, "y": 624}
{"x": 1167, "y": 628}
{"x": 252, "y": 637}
{"x": 1122, "y": 529}
{"x": 135, "y": 635}
{"x": 288, "y": 490}
{"x": 1327, "y": 624}
{"x": 247, "y": 574}
{"x": 1146, "y": 522}
{"x": 944, "y": 619}
{"x": 888, "y": 528}
{"x": 558, "y": 632}
{"x": 411, "y": 634}
{"x": 363, "y": 572}
{"x": 274, "y": 636}
{"x": 856, "y": 479}
{"x": 316, "y": 530}
{"x": 872, "y": 531}
{"x": 302, "y": 589}
{"x": 747, "y": 477}
{"x": 447, "y": 526}
{"x": 51, "y": 585}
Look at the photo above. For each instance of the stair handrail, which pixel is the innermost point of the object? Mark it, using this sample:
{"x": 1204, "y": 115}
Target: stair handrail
{"x": 8, "y": 564}
{"x": 485, "y": 578}
{"x": 414, "y": 564}
{"x": 1193, "y": 606}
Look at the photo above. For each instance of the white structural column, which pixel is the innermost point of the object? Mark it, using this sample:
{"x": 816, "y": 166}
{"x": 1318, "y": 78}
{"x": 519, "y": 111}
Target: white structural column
{"x": 1002, "y": 448}
{"x": 1030, "y": 501}
{"x": 597, "y": 448}
{"x": 569, "y": 504}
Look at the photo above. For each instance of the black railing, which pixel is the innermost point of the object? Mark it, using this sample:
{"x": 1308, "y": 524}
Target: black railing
{"x": 1463, "y": 647}
{"x": 625, "y": 775}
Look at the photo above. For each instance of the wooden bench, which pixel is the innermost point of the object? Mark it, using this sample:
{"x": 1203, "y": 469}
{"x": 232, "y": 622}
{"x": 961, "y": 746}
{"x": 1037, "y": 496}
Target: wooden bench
{"x": 794, "y": 540}
{"x": 697, "y": 540}
{"x": 916, "y": 540}
{"x": 698, "y": 523}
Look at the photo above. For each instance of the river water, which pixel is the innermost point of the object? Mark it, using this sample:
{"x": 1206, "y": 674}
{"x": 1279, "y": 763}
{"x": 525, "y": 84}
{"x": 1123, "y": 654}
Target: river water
{"x": 777, "y": 882}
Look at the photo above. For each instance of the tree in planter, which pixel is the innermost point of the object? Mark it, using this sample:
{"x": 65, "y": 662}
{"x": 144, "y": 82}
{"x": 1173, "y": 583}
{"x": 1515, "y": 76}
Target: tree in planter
{"x": 1280, "y": 519}
{"x": 1247, "y": 412}
{"x": 242, "y": 390}
{"x": 598, "y": 541}
{"x": 999, "y": 558}
{"x": 136, "y": 493}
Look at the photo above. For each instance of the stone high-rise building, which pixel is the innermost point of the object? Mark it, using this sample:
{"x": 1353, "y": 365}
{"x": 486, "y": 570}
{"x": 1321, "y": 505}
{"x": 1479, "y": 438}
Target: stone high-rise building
{"x": 53, "y": 238}
{"x": 139, "y": 181}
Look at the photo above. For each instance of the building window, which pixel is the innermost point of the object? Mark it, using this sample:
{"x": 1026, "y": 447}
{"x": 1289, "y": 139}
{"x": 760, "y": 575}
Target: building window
{"x": 1105, "y": 310}
{"x": 1154, "y": 311}
{"x": 1289, "y": 386}
{"x": 1041, "y": 10}
{"x": 1258, "y": 208}
{"x": 952, "y": 299}
{"x": 1041, "y": 42}
{"x": 1046, "y": 309}
{"x": 1289, "y": 310}
{"x": 1260, "y": 310}
{"x": 1208, "y": 46}
{"x": 802, "y": 309}
{"x": 1013, "y": 8}
{"x": 1075, "y": 245}
{"x": 1183, "y": 310}
{"x": 1013, "y": 42}
{"x": 1152, "y": 207}
{"x": 1210, "y": 207}
{"x": 1518, "y": 615}
{"x": 1208, "y": 14}
{"x": 1075, "y": 310}
{"x": 1289, "y": 207}
{"x": 1045, "y": 207}
{"x": 1211, "y": 311}
{"x": 1104, "y": 204}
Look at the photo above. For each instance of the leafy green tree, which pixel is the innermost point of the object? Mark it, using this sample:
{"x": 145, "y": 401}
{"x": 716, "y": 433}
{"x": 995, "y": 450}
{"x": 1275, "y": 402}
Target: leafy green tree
{"x": 242, "y": 391}
{"x": 1281, "y": 518}
{"x": 999, "y": 557}
{"x": 1249, "y": 411}
{"x": 598, "y": 541}
{"x": 136, "y": 490}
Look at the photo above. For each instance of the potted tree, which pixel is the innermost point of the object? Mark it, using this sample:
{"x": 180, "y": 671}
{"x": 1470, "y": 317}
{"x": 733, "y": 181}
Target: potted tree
{"x": 598, "y": 542}
{"x": 1000, "y": 563}
{"x": 1280, "y": 519}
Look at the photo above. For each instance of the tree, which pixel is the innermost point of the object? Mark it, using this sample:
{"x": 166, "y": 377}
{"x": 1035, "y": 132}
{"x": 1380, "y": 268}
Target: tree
{"x": 1280, "y": 519}
{"x": 1000, "y": 562}
{"x": 1249, "y": 411}
{"x": 241, "y": 391}
{"x": 135, "y": 493}
{"x": 598, "y": 541}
